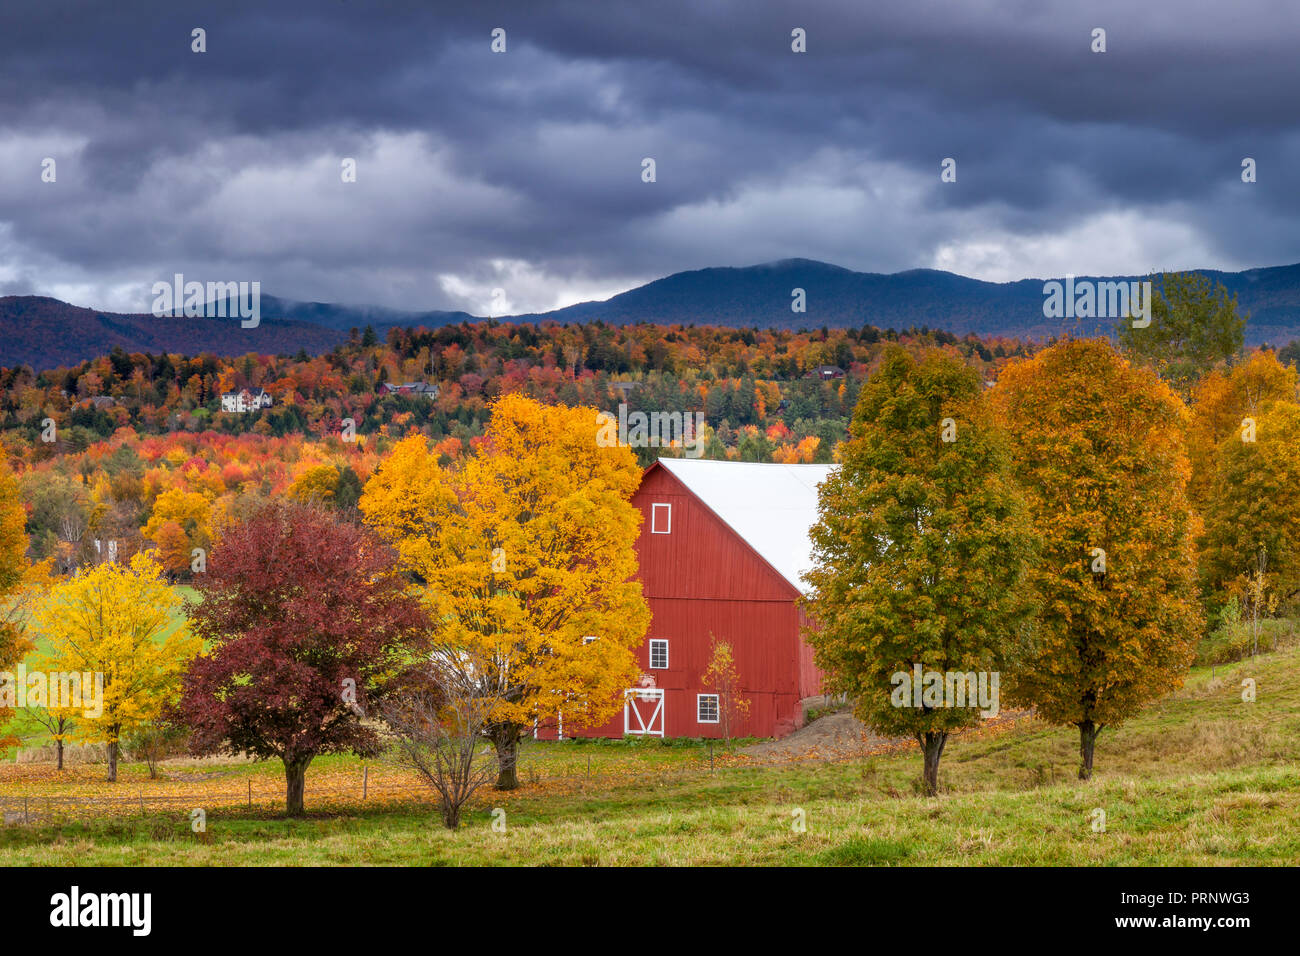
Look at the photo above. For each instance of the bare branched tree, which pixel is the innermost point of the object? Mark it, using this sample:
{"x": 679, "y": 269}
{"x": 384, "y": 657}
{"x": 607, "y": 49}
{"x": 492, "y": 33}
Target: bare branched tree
{"x": 58, "y": 726}
{"x": 439, "y": 719}
{"x": 155, "y": 741}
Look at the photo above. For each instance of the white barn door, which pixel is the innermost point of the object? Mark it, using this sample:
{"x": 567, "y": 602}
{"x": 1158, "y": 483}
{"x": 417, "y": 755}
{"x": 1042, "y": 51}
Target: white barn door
{"x": 643, "y": 711}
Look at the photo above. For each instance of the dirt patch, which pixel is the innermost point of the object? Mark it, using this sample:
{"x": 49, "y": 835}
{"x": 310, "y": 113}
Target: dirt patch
{"x": 836, "y": 735}
{"x": 840, "y": 736}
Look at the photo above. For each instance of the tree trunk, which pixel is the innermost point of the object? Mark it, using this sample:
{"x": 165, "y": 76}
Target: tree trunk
{"x": 112, "y": 761}
{"x": 450, "y": 814}
{"x": 932, "y": 747}
{"x": 506, "y": 741}
{"x": 295, "y": 784}
{"x": 1088, "y": 732}
{"x": 58, "y": 750}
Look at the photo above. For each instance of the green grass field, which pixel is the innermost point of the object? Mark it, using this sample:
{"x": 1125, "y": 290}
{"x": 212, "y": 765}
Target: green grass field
{"x": 1200, "y": 778}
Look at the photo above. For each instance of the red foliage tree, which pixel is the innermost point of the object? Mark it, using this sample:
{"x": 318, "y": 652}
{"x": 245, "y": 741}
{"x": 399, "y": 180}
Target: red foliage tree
{"x": 303, "y": 616}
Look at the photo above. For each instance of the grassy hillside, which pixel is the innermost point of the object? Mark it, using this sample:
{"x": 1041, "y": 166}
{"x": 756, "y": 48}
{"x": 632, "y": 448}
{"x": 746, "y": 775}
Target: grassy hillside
{"x": 1200, "y": 778}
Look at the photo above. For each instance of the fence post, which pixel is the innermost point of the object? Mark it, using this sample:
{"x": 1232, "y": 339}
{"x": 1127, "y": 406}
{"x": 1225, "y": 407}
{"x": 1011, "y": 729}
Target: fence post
{"x": 710, "y": 756}
{"x": 142, "y": 811}
{"x": 250, "y": 793}
{"x": 365, "y": 780}
{"x": 588, "y": 766}
{"x": 25, "y": 817}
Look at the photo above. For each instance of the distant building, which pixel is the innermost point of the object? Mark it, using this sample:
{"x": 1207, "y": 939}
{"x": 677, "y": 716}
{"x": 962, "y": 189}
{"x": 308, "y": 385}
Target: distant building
{"x": 826, "y": 372}
{"x": 423, "y": 389}
{"x": 245, "y": 400}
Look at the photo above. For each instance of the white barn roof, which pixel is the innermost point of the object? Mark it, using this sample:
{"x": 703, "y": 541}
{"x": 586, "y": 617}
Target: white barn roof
{"x": 771, "y": 507}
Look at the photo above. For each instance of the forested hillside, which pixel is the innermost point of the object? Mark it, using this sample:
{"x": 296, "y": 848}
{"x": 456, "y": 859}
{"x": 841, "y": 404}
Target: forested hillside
{"x": 746, "y": 382}
{"x": 142, "y": 454}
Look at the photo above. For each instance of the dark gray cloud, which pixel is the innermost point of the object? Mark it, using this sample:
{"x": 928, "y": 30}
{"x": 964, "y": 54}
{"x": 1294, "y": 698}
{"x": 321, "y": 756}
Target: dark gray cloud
{"x": 521, "y": 172}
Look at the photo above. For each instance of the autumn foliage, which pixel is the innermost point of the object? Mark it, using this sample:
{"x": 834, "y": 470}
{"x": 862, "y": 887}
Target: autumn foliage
{"x": 305, "y": 618}
{"x": 13, "y": 562}
{"x": 921, "y": 548}
{"x": 115, "y": 620}
{"x": 1098, "y": 447}
{"x": 525, "y": 548}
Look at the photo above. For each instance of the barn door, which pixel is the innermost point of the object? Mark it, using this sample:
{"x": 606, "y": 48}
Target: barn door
{"x": 643, "y": 711}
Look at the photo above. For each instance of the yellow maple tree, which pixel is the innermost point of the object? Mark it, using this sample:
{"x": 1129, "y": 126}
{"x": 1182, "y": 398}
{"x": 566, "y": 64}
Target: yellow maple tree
{"x": 723, "y": 676}
{"x": 115, "y": 622}
{"x": 315, "y": 483}
{"x": 189, "y": 509}
{"x": 527, "y": 551}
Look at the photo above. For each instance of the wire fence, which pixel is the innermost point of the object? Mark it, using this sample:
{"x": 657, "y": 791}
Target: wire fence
{"x": 45, "y": 810}
{"x": 374, "y": 786}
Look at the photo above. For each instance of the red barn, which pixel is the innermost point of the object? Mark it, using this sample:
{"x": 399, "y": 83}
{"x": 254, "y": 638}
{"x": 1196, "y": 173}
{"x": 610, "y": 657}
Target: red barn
{"x": 721, "y": 550}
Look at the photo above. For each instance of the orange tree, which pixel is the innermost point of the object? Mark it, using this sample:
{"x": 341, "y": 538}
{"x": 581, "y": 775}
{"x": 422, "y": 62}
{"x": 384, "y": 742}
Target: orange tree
{"x": 13, "y": 565}
{"x": 1221, "y": 401}
{"x": 526, "y": 548}
{"x": 1252, "y": 513}
{"x": 921, "y": 548}
{"x": 1098, "y": 447}
{"x": 173, "y": 552}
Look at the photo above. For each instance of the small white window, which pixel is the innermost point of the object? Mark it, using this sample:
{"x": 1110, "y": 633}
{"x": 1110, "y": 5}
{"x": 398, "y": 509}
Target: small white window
{"x": 659, "y": 655}
{"x": 661, "y": 518}
{"x": 707, "y": 707}
{"x": 588, "y": 639}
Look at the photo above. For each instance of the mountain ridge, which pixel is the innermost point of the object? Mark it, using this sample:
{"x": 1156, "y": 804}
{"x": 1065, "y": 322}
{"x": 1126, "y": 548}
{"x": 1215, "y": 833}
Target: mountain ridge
{"x": 44, "y": 332}
{"x": 945, "y": 300}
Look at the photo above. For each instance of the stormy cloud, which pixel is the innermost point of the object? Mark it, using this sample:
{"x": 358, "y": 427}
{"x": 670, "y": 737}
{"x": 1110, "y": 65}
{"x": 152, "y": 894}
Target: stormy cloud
{"x": 522, "y": 171}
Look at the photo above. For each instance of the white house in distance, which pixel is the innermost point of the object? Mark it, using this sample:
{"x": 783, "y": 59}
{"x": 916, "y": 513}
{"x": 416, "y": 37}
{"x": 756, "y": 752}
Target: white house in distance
{"x": 245, "y": 400}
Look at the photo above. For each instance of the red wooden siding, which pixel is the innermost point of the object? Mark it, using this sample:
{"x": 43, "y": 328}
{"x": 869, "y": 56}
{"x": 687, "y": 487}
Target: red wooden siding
{"x": 702, "y": 558}
{"x": 810, "y": 675}
{"x": 702, "y": 579}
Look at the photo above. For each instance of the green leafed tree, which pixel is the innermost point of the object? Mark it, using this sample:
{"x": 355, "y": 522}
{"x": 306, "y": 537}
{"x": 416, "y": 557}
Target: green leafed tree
{"x": 1195, "y": 326}
{"x": 921, "y": 549}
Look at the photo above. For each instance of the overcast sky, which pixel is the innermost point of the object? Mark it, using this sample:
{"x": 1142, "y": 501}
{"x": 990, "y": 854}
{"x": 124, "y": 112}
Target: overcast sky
{"x": 522, "y": 170}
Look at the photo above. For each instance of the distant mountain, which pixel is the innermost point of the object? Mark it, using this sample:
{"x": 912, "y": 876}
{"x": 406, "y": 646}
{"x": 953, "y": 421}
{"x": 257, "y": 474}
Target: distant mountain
{"x": 44, "y": 332}
{"x": 761, "y": 296}
{"x": 345, "y": 317}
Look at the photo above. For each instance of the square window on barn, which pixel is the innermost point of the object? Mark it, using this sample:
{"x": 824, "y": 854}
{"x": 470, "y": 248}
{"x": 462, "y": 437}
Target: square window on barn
{"x": 707, "y": 706}
{"x": 659, "y": 655}
{"x": 661, "y": 518}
